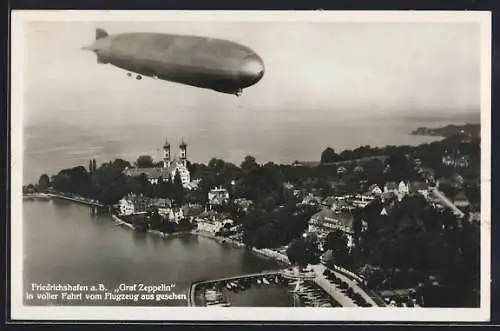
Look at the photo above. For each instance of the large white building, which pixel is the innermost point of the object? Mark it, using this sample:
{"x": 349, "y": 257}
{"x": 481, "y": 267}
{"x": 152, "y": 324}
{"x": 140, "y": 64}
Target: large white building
{"x": 327, "y": 221}
{"x": 133, "y": 203}
{"x": 170, "y": 167}
{"x": 207, "y": 225}
{"x": 127, "y": 206}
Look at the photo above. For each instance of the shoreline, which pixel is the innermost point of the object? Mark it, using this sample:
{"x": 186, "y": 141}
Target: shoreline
{"x": 119, "y": 221}
{"x": 266, "y": 253}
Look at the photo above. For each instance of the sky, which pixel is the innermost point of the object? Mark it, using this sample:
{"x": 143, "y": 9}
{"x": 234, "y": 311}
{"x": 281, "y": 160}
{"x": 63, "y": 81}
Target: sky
{"x": 340, "y": 69}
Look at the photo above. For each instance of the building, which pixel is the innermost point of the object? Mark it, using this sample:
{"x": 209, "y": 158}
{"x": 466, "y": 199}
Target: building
{"x": 169, "y": 168}
{"x": 457, "y": 181}
{"x": 192, "y": 210}
{"x": 243, "y": 204}
{"x": 391, "y": 187}
{"x": 312, "y": 200}
{"x": 375, "y": 190}
{"x": 133, "y": 204}
{"x": 456, "y": 160}
{"x": 126, "y": 206}
{"x": 154, "y": 175}
{"x": 341, "y": 170}
{"x": 177, "y": 165}
{"x": 475, "y": 217}
{"x": 361, "y": 200}
{"x": 461, "y": 201}
{"x": 419, "y": 188}
{"x": 162, "y": 206}
{"x": 327, "y": 221}
{"x": 388, "y": 196}
{"x": 403, "y": 188}
{"x": 175, "y": 215}
{"x": 208, "y": 225}
{"x": 299, "y": 194}
{"x": 358, "y": 169}
{"x": 218, "y": 196}
{"x": 329, "y": 202}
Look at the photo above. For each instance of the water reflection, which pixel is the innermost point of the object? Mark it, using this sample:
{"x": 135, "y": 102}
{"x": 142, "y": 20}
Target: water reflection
{"x": 139, "y": 237}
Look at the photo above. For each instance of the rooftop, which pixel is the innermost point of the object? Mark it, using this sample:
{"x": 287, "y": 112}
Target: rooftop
{"x": 328, "y": 215}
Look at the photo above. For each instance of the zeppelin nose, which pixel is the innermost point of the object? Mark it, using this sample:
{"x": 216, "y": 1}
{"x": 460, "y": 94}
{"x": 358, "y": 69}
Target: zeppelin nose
{"x": 252, "y": 70}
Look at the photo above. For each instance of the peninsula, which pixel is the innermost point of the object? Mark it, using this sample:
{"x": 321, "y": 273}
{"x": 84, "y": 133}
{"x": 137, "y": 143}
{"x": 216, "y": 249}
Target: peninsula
{"x": 466, "y": 130}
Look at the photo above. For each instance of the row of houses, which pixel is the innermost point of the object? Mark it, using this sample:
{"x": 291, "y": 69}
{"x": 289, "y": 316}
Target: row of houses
{"x": 133, "y": 204}
{"x": 337, "y": 211}
{"x": 457, "y": 161}
{"x": 389, "y": 192}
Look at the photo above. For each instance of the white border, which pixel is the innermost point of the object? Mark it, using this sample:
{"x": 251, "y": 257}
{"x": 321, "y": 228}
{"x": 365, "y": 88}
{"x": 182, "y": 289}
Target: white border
{"x": 20, "y": 312}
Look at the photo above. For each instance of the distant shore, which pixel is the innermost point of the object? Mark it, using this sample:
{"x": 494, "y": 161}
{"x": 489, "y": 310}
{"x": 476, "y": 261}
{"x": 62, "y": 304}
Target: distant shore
{"x": 466, "y": 130}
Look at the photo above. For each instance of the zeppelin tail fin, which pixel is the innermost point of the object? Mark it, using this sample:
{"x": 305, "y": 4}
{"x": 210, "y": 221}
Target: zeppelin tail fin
{"x": 100, "y": 33}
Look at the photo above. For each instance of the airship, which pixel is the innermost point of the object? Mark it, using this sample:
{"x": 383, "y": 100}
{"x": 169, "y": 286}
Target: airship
{"x": 217, "y": 64}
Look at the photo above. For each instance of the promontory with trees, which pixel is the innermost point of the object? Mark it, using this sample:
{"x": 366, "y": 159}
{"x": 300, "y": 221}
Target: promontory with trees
{"x": 398, "y": 246}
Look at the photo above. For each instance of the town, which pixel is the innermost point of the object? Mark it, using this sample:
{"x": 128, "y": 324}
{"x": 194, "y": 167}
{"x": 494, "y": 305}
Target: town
{"x": 404, "y": 219}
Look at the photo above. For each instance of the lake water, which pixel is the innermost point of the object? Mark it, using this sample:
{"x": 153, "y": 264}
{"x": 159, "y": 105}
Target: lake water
{"x": 64, "y": 244}
{"x": 50, "y": 147}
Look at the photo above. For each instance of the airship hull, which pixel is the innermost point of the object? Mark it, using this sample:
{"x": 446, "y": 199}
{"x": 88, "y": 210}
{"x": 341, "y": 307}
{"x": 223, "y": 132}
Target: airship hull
{"x": 215, "y": 64}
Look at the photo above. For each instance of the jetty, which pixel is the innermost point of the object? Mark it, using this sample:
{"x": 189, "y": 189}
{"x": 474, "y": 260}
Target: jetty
{"x": 81, "y": 200}
{"x": 95, "y": 207}
{"x": 192, "y": 289}
{"x": 338, "y": 292}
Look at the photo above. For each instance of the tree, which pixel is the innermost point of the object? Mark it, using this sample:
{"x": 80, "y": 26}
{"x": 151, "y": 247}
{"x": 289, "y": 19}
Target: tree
{"x": 302, "y": 252}
{"x": 43, "y": 183}
{"x": 167, "y": 227}
{"x": 324, "y": 187}
{"x": 249, "y": 164}
{"x": 156, "y": 221}
{"x": 139, "y": 223}
{"x": 337, "y": 242}
{"x": 178, "y": 193}
{"x": 144, "y": 184}
{"x": 269, "y": 204}
{"x": 144, "y": 161}
{"x": 329, "y": 155}
{"x": 357, "y": 225}
{"x": 399, "y": 166}
{"x": 75, "y": 180}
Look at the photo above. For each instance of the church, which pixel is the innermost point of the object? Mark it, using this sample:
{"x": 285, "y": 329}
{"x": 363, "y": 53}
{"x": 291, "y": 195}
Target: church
{"x": 168, "y": 168}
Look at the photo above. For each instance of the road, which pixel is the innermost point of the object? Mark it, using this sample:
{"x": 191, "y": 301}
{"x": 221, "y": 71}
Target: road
{"x": 447, "y": 202}
{"x": 335, "y": 292}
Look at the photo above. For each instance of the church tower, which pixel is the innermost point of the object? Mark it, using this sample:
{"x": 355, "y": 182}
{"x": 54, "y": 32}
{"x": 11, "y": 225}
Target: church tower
{"x": 166, "y": 154}
{"x": 183, "y": 153}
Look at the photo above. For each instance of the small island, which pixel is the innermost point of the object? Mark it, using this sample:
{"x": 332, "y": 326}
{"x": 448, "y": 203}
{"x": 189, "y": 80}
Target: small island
{"x": 451, "y": 130}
